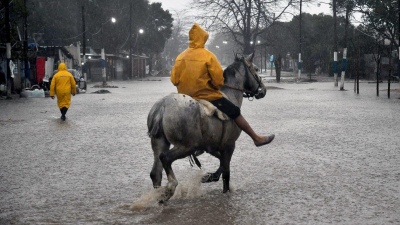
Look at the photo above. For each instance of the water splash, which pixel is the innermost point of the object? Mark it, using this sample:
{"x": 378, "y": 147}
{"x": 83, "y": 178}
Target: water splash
{"x": 185, "y": 190}
{"x": 148, "y": 199}
{"x": 190, "y": 189}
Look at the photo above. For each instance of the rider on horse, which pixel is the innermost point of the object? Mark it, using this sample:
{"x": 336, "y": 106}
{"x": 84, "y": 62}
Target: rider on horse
{"x": 198, "y": 73}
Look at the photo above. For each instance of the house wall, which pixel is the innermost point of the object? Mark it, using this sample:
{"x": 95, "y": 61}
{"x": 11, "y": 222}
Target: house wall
{"x": 119, "y": 69}
{"x": 139, "y": 67}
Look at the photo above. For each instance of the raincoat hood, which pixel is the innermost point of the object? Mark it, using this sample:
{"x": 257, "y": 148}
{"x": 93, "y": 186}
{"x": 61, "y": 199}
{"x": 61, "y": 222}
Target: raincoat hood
{"x": 63, "y": 85}
{"x": 62, "y": 67}
{"x": 197, "y": 71}
{"x": 197, "y": 37}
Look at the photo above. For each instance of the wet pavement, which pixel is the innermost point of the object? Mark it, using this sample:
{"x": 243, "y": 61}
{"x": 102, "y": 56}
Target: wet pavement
{"x": 335, "y": 160}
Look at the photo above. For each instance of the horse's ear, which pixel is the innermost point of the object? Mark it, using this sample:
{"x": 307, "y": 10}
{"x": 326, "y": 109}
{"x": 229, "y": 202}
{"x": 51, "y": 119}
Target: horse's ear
{"x": 237, "y": 57}
{"x": 250, "y": 57}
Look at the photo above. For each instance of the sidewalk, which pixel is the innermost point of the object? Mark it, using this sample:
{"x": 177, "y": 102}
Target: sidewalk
{"x": 289, "y": 76}
{"x": 12, "y": 96}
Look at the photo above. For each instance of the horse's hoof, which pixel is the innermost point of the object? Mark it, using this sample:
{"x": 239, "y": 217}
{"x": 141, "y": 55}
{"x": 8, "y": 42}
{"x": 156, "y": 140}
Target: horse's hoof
{"x": 166, "y": 195}
{"x": 209, "y": 177}
{"x": 164, "y": 199}
{"x": 206, "y": 178}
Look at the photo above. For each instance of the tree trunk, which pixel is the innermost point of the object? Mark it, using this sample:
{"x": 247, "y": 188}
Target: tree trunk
{"x": 278, "y": 66}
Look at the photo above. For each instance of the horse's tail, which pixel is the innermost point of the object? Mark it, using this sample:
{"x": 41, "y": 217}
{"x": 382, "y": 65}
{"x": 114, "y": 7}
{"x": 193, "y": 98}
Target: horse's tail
{"x": 154, "y": 120}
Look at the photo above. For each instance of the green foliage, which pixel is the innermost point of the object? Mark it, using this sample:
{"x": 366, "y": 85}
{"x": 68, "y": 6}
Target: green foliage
{"x": 59, "y": 22}
{"x": 381, "y": 18}
{"x": 158, "y": 30}
{"x": 317, "y": 39}
{"x": 16, "y": 14}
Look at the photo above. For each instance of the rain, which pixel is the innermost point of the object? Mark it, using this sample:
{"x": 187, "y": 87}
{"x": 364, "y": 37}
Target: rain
{"x": 332, "y": 101}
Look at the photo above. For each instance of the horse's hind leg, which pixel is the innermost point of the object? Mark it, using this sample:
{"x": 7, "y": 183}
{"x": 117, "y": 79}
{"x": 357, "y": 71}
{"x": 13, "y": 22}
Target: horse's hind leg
{"x": 167, "y": 158}
{"x": 158, "y": 145}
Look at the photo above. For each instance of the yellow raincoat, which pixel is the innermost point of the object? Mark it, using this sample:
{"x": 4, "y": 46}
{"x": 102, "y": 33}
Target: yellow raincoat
{"x": 63, "y": 85}
{"x": 197, "y": 71}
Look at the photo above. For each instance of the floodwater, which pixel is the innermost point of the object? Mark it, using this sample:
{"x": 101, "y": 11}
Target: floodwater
{"x": 335, "y": 159}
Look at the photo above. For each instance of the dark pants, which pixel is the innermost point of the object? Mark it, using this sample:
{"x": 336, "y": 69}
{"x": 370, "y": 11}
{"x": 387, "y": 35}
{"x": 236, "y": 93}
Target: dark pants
{"x": 227, "y": 107}
{"x": 64, "y": 110}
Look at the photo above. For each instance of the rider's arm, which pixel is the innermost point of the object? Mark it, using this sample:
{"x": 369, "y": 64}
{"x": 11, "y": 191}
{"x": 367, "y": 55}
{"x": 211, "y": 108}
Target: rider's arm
{"x": 216, "y": 72}
{"x": 174, "y": 75}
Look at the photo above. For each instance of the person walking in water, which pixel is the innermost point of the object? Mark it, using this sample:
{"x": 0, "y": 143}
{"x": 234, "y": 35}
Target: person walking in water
{"x": 198, "y": 73}
{"x": 63, "y": 85}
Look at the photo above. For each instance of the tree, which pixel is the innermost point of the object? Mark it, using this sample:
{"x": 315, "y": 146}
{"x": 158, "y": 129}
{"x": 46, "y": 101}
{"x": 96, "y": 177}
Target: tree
{"x": 282, "y": 38}
{"x": 179, "y": 37}
{"x": 59, "y": 22}
{"x": 158, "y": 30}
{"x": 243, "y": 20}
{"x": 380, "y": 18}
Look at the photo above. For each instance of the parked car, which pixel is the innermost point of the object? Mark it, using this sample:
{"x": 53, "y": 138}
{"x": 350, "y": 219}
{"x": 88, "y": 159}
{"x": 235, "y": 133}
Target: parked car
{"x": 79, "y": 79}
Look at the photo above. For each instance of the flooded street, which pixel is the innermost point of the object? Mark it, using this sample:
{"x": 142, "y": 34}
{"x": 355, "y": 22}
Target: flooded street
{"x": 335, "y": 159}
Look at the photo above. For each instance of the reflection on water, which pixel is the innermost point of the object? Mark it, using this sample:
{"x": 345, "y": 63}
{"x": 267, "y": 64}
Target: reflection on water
{"x": 331, "y": 149}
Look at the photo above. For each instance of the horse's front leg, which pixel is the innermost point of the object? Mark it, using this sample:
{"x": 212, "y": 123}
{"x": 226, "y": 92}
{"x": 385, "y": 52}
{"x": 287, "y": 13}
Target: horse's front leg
{"x": 213, "y": 177}
{"x": 158, "y": 145}
{"x": 225, "y": 164}
{"x": 167, "y": 158}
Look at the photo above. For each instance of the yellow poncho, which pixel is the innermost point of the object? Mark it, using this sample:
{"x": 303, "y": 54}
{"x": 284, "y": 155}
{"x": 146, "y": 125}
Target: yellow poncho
{"x": 197, "y": 71}
{"x": 63, "y": 85}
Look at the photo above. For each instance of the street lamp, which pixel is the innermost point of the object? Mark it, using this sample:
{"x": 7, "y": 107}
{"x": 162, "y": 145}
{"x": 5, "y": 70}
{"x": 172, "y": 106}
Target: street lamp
{"x": 140, "y": 31}
{"x": 103, "y": 55}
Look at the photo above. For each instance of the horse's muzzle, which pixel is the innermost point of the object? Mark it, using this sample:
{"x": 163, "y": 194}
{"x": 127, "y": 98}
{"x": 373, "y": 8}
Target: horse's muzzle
{"x": 260, "y": 93}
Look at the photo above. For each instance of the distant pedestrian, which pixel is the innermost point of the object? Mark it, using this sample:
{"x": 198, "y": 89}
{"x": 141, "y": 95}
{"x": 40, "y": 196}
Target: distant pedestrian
{"x": 3, "y": 81}
{"x": 317, "y": 66}
{"x": 63, "y": 85}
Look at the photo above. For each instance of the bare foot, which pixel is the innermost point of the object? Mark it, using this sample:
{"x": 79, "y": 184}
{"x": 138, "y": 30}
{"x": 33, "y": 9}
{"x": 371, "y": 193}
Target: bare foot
{"x": 267, "y": 140}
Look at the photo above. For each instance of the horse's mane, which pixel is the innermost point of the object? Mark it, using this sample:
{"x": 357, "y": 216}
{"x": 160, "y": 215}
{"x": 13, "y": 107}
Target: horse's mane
{"x": 231, "y": 70}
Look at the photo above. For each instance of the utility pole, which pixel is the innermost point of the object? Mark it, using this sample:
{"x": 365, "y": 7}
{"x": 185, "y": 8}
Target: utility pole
{"x": 344, "y": 60}
{"x": 8, "y": 48}
{"x": 26, "y": 65}
{"x": 130, "y": 41}
{"x": 335, "y": 63}
{"x": 390, "y": 67}
{"x": 300, "y": 61}
{"x": 84, "y": 43}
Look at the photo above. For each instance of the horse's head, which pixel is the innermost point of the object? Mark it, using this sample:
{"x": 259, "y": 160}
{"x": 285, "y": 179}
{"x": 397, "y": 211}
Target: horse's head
{"x": 253, "y": 85}
{"x": 242, "y": 76}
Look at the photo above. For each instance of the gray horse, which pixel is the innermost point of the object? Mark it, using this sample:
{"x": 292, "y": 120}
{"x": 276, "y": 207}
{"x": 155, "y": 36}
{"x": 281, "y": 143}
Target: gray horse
{"x": 180, "y": 120}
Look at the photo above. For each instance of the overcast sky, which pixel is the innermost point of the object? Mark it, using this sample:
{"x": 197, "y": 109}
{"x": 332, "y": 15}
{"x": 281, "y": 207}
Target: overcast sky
{"x": 177, "y": 5}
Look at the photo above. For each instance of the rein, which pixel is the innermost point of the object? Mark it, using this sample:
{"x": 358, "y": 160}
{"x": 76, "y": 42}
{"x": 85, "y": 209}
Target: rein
{"x": 247, "y": 94}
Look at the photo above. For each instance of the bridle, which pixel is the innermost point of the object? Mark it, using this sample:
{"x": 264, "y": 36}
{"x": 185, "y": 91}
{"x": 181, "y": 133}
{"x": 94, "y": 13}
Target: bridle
{"x": 249, "y": 68}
